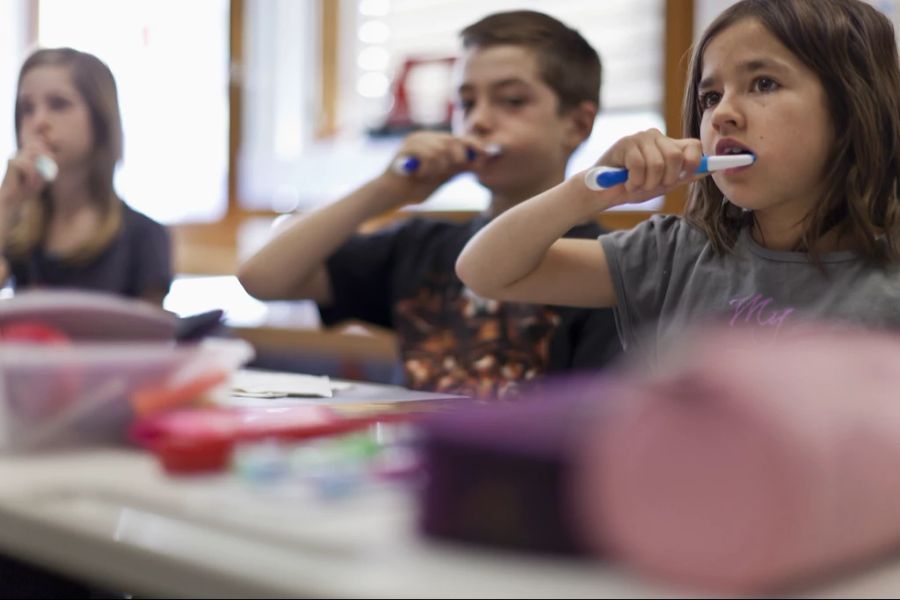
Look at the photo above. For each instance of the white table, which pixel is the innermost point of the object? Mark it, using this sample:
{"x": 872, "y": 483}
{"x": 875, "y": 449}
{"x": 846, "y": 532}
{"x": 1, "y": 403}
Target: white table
{"x": 111, "y": 516}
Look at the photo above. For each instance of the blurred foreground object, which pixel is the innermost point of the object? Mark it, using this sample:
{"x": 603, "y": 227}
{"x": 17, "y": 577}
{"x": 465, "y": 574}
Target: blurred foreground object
{"x": 77, "y": 366}
{"x": 742, "y": 465}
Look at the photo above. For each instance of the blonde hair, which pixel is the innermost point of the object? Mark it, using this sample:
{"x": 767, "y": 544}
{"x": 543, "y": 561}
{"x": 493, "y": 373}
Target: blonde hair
{"x": 95, "y": 83}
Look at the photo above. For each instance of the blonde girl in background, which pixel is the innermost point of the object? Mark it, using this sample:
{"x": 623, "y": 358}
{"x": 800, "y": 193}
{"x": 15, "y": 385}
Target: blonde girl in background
{"x": 69, "y": 228}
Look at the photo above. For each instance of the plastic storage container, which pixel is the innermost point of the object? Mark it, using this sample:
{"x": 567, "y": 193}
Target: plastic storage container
{"x": 78, "y": 393}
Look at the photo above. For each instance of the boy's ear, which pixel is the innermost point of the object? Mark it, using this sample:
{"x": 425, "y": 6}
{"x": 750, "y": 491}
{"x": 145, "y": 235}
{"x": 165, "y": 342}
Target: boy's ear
{"x": 581, "y": 122}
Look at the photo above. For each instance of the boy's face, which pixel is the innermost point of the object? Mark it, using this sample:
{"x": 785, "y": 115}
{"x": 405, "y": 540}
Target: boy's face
{"x": 502, "y": 99}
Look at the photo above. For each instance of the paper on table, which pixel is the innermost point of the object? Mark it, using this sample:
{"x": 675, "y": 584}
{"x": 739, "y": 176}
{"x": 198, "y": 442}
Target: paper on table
{"x": 268, "y": 384}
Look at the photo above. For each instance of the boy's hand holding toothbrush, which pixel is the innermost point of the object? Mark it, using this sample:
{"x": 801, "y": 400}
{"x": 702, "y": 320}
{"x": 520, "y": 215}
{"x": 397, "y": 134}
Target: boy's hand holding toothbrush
{"x": 427, "y": 159}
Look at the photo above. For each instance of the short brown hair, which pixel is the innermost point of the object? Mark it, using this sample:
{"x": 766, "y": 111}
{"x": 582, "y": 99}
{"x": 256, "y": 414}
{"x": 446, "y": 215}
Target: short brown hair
{"x": 567, "y": 62}
{"x": 96, "y": 85}
{"x": 851, "y": 48}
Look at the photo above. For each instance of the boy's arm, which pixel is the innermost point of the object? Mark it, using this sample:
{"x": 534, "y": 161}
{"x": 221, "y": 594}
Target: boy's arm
{"x": 292, "y": 264}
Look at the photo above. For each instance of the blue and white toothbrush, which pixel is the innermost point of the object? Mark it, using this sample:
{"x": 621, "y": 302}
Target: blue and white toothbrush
{"x": 406, "y": 165}
{"x": 601, "y": 178}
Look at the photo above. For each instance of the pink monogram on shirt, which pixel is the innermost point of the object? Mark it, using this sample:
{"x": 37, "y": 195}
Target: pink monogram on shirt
{"x": 756, "y": 309}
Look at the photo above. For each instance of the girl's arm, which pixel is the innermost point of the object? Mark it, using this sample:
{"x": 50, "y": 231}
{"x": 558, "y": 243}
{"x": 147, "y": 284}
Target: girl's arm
{"x": 520, "y": 256}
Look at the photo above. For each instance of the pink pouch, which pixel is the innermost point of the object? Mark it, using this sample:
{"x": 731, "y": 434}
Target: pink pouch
{"x": 746, "y": 465}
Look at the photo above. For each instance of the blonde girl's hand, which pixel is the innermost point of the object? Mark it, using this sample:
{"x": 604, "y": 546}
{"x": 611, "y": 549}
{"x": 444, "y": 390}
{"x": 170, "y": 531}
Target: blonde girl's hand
{"x": 22, "y": 179}
{"x": 436, "y": 157}
{"x": 656, "y": 165}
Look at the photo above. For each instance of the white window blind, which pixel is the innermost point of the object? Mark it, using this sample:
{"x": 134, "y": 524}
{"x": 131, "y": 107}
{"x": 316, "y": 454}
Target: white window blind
{"x": 628, "y": 35}
{"x": 281, "y": 68}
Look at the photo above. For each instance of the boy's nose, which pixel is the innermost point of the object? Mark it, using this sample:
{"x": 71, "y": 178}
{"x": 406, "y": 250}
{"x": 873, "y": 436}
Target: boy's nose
{"x": 480, "y": 119}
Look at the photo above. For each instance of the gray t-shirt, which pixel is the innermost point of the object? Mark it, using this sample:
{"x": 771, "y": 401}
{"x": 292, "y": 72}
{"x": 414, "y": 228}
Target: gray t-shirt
{"x": 667, "y": 277}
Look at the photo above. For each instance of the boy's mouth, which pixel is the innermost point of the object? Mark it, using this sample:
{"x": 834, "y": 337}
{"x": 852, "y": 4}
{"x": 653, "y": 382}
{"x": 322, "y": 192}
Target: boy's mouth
{"x": 493, "y": 150}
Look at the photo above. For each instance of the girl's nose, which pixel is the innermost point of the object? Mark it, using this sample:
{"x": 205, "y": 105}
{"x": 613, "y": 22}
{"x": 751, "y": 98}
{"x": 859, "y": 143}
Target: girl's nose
{"x": 39, "y": 119}
{"x": 727, "y": 113}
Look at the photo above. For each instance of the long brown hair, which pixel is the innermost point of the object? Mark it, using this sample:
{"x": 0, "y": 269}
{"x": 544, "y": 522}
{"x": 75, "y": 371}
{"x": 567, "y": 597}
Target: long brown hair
{"x": 851, "y": 48}
{"x": 94, "y": 81}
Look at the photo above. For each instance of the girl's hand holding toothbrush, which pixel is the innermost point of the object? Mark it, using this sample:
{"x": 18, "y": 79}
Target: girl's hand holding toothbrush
{"x": 649, "y": 164}
{"x": 27, "y": 173}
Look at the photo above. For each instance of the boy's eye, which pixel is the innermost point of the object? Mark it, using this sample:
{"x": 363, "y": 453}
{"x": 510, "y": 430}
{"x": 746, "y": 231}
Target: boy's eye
{"x": 514, "y": 101}
{"x": 708, "y": 100}
{"x": 465, "y": 105}
{"x": 26, "y": 108}
{"x": 765, "y": 84}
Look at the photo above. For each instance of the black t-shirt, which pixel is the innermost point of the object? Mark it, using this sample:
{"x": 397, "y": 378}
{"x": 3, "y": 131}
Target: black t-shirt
{"x": 137, "y": 259}
{"x": 403, "y": 278}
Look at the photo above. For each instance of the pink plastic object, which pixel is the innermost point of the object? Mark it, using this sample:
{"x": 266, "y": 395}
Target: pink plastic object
{"x": 202, "y": 439}
{"x": 746, "y": 465}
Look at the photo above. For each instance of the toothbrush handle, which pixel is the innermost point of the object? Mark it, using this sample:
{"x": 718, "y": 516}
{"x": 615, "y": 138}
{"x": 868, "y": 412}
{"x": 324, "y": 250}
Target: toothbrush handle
{"x": 612, "y": 177}
{"x": 404, "y": 165}
{"x": 46, "y": 167}
{"x": 407, "y": 165}
{"x": 600, "y": 178}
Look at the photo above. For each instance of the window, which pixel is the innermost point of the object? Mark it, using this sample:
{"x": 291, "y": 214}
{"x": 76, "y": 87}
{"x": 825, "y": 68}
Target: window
{"x": 170, "y": 61}
{"x": 374, "y": 37}
{"x": 279, "y": 76}
{"x": 13, "y": 30}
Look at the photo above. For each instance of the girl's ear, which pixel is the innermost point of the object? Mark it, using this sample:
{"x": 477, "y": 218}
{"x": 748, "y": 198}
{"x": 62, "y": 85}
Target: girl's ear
{"x": 580, "y": 122}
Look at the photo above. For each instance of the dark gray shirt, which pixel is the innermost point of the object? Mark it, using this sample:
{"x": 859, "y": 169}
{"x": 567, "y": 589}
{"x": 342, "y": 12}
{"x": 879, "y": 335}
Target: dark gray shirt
{"x": 137, "y": 260}
{"x": 667, "y": 277}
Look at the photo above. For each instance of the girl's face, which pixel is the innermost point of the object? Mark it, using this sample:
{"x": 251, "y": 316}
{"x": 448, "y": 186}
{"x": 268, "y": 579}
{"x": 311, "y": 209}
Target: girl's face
{"x": 757, "y": 96}
{"x": 55, "y": 114}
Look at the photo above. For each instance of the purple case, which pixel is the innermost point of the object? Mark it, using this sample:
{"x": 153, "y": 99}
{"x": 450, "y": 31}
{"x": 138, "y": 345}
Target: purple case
{"x": 497, "y": 474}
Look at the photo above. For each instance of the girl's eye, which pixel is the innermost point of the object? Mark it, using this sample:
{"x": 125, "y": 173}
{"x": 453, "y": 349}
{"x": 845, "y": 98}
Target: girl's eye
{"x": 58, "y": 103}
{"x": 765, "y": 84}
{"x": 26, "y": 109}
{"x": 708, "y": 100}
